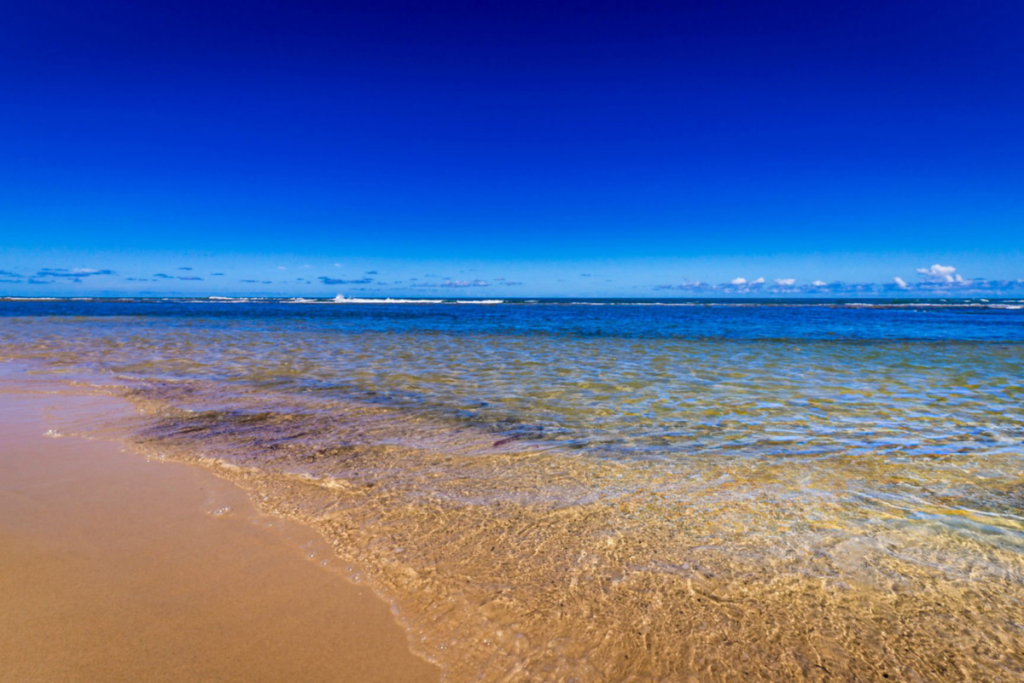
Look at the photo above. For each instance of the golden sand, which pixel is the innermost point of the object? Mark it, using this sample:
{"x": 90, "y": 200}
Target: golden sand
{"x": 115, "y": 568}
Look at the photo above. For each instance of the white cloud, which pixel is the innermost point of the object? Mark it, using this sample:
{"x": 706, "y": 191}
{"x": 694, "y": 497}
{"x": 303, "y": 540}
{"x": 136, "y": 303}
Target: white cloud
{"x": 926, "y": 287}
{"x": 739, "y": 281}
{"x": 758, "y": 281}
{"x": 464, "y": 283}
{"x": 939, "y": 273}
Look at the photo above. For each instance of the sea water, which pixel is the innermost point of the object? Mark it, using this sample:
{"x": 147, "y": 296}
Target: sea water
{"x": 613, "y": 490}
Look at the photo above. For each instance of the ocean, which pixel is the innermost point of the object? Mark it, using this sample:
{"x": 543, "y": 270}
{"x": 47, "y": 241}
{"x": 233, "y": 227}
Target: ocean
{"x": 609, "y": 489}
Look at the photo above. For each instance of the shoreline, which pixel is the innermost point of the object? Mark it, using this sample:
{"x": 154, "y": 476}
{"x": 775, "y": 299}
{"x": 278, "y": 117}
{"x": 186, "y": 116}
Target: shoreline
{"x": 118, "y": 567}
{"x": 766, "y": 508}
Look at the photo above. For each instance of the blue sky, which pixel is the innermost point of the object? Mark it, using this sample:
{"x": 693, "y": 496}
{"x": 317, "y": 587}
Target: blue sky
{"x": 524, "y": 149}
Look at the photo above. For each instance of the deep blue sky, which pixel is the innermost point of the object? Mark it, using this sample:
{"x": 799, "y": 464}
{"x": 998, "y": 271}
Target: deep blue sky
{"x": 577, "y": 148}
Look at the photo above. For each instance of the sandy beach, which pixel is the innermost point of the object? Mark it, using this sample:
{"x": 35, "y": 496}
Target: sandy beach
{"x": 598, "y": 494}
{"x": 118, "y": 568}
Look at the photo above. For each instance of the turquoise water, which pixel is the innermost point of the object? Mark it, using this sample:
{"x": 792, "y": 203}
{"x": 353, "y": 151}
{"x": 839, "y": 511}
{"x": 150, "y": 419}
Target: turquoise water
{"x": 614, "y": 490}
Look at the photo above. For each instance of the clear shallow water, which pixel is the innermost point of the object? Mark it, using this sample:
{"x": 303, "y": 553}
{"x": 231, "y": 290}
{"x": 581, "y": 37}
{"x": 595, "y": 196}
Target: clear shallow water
{"x": 615, "y": 492}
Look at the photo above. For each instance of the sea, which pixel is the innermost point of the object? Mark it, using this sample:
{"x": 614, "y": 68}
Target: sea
{"x": 610, "y": 490}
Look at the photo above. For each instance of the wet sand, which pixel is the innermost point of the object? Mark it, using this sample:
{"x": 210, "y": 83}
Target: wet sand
{"x": 117, "y": 568}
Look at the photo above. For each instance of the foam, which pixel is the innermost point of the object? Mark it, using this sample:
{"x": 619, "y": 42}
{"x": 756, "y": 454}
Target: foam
{"x": 341, "y": 299}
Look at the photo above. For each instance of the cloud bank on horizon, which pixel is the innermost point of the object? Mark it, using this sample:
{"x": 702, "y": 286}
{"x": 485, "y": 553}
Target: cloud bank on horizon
{"x": 935, "y": 280}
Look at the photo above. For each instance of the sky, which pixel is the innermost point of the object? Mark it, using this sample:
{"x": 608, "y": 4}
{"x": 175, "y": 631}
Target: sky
{"x": 483, "y": 149}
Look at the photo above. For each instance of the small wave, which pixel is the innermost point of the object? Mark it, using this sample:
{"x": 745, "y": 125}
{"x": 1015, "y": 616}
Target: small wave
{"x": 341, "y": 299}
{"x": 922, "y": 304}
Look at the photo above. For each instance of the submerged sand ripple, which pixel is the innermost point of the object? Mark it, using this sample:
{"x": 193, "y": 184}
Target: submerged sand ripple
{"x": 518, "y": 562}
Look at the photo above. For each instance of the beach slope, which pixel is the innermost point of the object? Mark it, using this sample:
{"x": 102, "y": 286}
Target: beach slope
{"x": 116, "y": 568}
